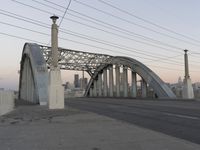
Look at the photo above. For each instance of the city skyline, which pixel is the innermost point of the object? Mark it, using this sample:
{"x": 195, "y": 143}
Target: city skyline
{"x": 162, "y": 52}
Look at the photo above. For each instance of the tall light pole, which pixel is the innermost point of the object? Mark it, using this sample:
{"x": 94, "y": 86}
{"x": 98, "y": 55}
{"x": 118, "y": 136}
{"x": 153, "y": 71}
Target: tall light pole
{"x": 186, "y": 64}
{"x": 56, "y": 90}
{"x": 54, "y": 42}
{"x": 187, "y": 92}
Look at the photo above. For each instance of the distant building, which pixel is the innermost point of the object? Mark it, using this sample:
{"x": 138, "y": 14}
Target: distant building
{"x": 196, "y": 86}
{"x": 76, "y": 81}
{"x": 177, "y": 88}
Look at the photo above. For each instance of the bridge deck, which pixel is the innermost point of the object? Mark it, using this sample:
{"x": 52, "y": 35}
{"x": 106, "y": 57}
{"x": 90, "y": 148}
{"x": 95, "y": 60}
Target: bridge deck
{"x": 35, "y": 127}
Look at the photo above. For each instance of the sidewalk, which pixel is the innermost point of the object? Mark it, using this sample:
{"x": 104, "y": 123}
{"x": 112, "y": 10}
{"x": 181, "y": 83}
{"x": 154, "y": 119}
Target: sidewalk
{"x": 33, "y": 127}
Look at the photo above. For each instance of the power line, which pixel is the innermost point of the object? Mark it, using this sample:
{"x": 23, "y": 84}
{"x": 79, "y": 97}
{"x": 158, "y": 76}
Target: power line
{"x": 101, "y": 29}
{"x": 54, "y": 4}
{"x": 126, "y": 31}
{"x": 62, "y": 30}
{"x": 118, "y": 46}
{"x": 107, "y": 42}
{"x": 22, "y": 18}
{"x": 19, "y": 27}
{"x": 133, "y": 23}
{"x": 60, "y": 38}
{"x": 162, "y": 59}
{"x": 167, "y": 68}
{"x": 121, "y": 36}
{"x": 53, "y": 7}
{"x": 65, "y": 12}
{"x": 147, "y": 21}
{"x": 41, "y": 10}
{"x": 19, "y": 37}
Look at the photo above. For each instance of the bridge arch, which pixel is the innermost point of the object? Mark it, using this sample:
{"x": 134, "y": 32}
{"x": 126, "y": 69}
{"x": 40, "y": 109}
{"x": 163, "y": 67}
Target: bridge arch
{"x": 33, "y": 80}
{"x": 148, "y": 76}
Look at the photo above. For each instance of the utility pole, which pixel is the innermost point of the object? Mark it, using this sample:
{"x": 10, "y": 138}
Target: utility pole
{"x": 56, "y": 90}
{"x": 187, "y": 92}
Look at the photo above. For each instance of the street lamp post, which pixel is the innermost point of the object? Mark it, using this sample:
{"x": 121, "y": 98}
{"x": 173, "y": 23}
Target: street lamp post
{"x": 56, "y": 90}
{"x": 187, "y": 92}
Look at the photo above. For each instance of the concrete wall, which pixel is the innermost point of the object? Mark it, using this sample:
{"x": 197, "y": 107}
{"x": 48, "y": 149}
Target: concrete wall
{"x": 6, "y": 102}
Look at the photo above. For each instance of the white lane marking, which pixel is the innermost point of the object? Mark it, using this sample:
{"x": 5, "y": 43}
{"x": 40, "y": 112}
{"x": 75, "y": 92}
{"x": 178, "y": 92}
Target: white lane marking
{"x": 182, "y": 116}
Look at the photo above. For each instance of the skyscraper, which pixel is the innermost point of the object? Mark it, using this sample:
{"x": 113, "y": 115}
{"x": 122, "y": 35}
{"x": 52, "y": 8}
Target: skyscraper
{"x": 76, "y": 81}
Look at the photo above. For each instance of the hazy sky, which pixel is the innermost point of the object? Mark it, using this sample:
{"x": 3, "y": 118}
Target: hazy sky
{"x": 154, "y": 32}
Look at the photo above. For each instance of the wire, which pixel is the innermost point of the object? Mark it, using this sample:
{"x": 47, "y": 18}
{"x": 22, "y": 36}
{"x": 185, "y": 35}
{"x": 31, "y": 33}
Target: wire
{"x": 126, "y": 31}
{"x": 65, "y": 12}
{"x": 162, "y": 59}
{"x": 54, "y": 4}
{"x": 53, "y": 7}
{"x": 167, "y": 68}
{"x": 24, "y": 28}
{"x": 133, "y": 23}
{"x": 147, "y": 21}
{"x": 22, "y": 38}
{"x": 22, "y": 18}
{"x": 19, "y": 37}
{"x": 91, "y": 39}
{"x": 41, "y": 10}
{"x": 62, "y": 30}
{"x": 101, "y": 30}
{"x": 122, "y": 36}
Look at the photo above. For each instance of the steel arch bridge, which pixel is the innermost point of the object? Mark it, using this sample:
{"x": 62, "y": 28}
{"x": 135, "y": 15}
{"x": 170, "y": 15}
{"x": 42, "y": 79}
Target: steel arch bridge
{"x": 109, "y": 74}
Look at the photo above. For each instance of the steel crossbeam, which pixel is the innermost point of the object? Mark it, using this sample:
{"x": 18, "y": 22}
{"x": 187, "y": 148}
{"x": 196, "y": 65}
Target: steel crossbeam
{"x": 77, "y": 60}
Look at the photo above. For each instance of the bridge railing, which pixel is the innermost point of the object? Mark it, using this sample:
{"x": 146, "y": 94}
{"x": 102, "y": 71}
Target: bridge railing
{"x": 6, "y": 101}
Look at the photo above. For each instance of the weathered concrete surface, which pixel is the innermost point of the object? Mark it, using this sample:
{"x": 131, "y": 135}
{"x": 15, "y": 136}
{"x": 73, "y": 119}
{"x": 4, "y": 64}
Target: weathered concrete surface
{"x": 37, "y": 128}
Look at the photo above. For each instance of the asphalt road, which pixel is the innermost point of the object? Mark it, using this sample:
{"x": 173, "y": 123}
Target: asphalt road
{"x": 177, "y": 118}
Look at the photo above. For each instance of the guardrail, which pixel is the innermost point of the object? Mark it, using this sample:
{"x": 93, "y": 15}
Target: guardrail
{"x": 7, "y": 102}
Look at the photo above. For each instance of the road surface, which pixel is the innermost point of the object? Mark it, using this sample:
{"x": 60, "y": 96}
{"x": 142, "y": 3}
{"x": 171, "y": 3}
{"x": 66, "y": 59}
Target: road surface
{"x": 178, "y": 118}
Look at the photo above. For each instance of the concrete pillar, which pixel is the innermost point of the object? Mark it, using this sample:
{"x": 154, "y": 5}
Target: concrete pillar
{"x": 186, "y": 64}
{"x": 143, "y": 88}
{"x": 100, "y": 84}
{"x": 117, "y": 76}
{"x": 105, "y": 83}
{"x": 133, "y": 84}
{"x": 125, "y": 82}
{"x": 188, "y": 92}
{"x": 54, "y": 41}
{"x": 95, "y": 88}
{"x": 56, "y": 90}
{"x": 111, "y": 85}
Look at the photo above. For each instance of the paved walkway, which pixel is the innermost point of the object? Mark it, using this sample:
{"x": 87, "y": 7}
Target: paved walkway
{"x": 34, "y": 127}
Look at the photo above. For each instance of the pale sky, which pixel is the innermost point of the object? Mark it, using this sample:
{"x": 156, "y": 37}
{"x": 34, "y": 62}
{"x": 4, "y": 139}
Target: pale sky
{"x": 134, "y": 33}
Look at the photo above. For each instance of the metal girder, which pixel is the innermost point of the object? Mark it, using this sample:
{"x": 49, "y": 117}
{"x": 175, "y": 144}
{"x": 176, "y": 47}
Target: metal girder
{"x": 77, "y": 60}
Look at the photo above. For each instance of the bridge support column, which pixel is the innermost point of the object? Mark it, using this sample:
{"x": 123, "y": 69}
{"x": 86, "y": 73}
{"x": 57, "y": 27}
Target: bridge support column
{"x": 125, "y": 82}
{"x": 91, "y": 92}
{"x": 100, "y": 84}
{"x": 133, "y": 84}
{"x": 105, "y": 83}
{"x": 95, "y": 88}
{"x": 143, "y": 88}
{"x": 111, "y": 85}
{"x": 117, "y": 76}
